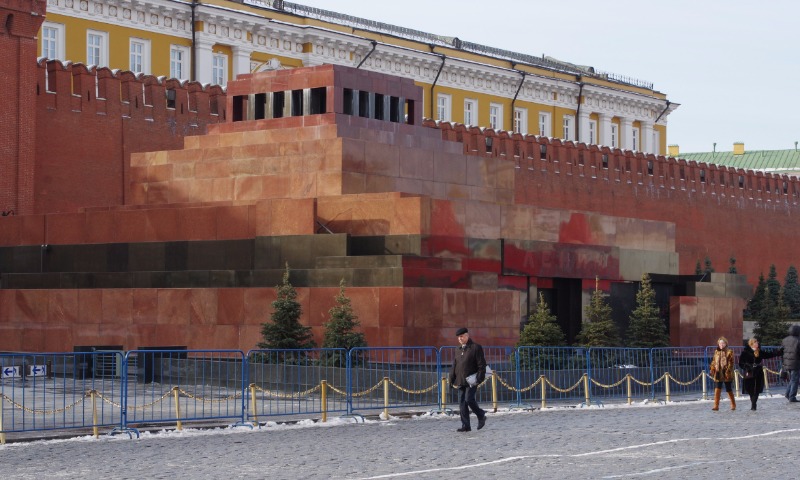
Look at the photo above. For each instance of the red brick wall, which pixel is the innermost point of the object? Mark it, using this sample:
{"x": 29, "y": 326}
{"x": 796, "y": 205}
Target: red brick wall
{"x": 755, "y": 223}
{"x": 19, "y": 22}
{"x": 86, "y": 133}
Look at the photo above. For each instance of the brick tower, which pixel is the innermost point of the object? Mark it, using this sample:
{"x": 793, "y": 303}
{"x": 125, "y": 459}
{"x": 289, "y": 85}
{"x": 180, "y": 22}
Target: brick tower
{"x": 19, "y": 23}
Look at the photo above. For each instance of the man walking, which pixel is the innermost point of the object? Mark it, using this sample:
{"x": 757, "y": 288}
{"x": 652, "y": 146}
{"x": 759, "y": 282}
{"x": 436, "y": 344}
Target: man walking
{"x": 791, "y": 361}
{"x": 468, "y": 371}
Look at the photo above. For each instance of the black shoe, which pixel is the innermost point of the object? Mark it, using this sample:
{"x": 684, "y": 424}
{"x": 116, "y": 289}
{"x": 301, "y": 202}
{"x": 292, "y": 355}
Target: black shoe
{"x": 464, "y": 429}
{"x": 481, "y": 422}
{"x": 793, "y": 400}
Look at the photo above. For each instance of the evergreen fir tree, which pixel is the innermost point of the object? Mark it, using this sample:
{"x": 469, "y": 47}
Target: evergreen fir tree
{"x": 542, "y": 328}
{"x": 698, "y": 270}
{"x": 340, "y": 332}
{"x": 285, "y": 330}
{"x": 599, "y": 329}
{"x": 773, "y": 325}
{"x": 773, "y": 285}
{"x": 732, "y": 265}
{"x": 646, "y": 328}
{"x": 755, "y": 305}
{"x": 708, "y": 267}
{"x": 791, "y": 292}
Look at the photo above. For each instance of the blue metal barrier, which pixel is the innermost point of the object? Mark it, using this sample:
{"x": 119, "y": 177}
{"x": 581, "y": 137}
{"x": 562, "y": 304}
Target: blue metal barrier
{"x": 58, "y": 391}
{"x": 552, "y": 374}
{"x": 289, "y": 382}
{"x": 620, "y": 373}
{"x": 171, "y": 386}
{"x": 392, "y": 378}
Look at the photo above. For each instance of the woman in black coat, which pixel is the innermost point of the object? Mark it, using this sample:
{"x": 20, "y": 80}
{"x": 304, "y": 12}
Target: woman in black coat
{"x": 750, "y": 363}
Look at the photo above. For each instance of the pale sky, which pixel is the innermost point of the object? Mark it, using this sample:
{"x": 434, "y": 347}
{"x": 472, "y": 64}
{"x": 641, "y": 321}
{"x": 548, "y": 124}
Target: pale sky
{"x": 732, "y": 65}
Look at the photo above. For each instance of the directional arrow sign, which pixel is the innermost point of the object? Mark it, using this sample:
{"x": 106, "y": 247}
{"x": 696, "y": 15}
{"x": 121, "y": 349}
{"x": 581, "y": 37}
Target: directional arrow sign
{"x": 10, "y": 372}
{"x": 38, "y": 370}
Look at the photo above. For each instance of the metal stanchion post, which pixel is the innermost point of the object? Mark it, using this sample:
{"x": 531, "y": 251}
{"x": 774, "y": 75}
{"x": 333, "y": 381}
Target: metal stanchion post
{"x": 586, "y": 388}
{"x": 253, "y": 406}
{"x": 544, "y": 390}
{"x": 666, "y": 385}
{"x": 2, "y": 428}
{"x": 93, "y": 393}
{"x": 766, "y": 381}
{"x": 444, "y": 392}
{"x": 386, "y": 398}
{"x": 628, "y": 379}
{"x": 705, "y": 385}
{"x": 175, "y": 393}
{"x": 324, "y": 400}
{"x": 494, "y": 392}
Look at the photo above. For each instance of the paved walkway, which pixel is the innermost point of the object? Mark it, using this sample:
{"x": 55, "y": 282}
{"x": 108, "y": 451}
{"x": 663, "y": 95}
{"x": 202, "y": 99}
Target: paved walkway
{"x": 679, "y": 440}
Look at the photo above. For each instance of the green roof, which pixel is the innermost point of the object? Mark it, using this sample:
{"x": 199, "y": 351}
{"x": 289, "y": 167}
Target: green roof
{"x": 771, "y": 161}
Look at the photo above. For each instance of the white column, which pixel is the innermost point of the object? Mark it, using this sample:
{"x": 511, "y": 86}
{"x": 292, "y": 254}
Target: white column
{"x": 583, "y": 127}
{"x": 647, "y": 137}
{"x": 241, "y": 61}
{"x": 626, "y": 125}
{"x": 605, "y": 129}
{"x": 204, "y": 58}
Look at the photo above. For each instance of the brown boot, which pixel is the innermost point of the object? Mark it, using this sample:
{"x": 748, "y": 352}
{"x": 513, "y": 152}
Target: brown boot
{"x": 717, "y": 393}
{"x": 733, "y": 400}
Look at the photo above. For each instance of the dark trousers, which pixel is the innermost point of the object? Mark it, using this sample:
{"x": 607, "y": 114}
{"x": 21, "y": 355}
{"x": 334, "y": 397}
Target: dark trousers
{"x": 466, "y": 402}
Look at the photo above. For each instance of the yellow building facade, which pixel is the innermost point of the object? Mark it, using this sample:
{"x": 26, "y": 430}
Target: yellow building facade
{"x": 213, "y": 41}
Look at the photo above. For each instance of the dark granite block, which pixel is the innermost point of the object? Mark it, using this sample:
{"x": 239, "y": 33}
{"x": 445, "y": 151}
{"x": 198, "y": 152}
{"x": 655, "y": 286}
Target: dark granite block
{"x": 296, "y": 251}
{"x": 244, "y": 278}
{"x": 86, "y": 258}
{"x": 205, "y": 255}
{"x": 267, "y": 253}
{"x": 146, "y": 257}
{"x": 377, "y": 277}
{"x": 239, "y": 254}
{"x": 176, "y": 256}
{"x": 113, "y": 280}
{"x": 221, "y": 279}
{"x": 33, "y": 280}
{"x": 142, "y": 279}
{"x": 58, "y": 258}
{"x": 117, "y": 257}
{"x": 27, "y": 259}
{"x": 69, "y": 280}
{"x": 330, "y": 277}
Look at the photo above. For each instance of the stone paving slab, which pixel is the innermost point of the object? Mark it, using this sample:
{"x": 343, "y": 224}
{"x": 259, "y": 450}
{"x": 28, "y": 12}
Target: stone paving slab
{"x": 678, "y": 440}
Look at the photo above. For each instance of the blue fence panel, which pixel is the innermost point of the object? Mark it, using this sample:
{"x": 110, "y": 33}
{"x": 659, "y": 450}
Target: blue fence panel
{"x": 184, "y": 385}
{"x": 685, "y": 366}
{"x": 413, "y": 378}
{"x": 56, "y": 391}
{"x": 559, "y": 369}
{"x": 609, "y": 370}
{"x": 289, "y": 382}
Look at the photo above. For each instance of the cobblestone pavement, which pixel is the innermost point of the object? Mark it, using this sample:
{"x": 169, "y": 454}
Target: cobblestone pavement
{"x": 678, "y": 440}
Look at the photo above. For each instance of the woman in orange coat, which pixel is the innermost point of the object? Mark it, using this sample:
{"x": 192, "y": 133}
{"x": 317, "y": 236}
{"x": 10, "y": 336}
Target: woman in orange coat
{"x": 722, "y": 372}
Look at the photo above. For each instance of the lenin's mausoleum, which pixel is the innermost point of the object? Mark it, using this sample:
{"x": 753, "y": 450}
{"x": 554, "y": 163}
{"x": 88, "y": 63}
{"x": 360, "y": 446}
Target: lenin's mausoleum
{"x": 143, "y": 212}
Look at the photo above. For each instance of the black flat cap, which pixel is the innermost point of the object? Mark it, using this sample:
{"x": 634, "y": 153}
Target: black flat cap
{"x": 461, "y": 331}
